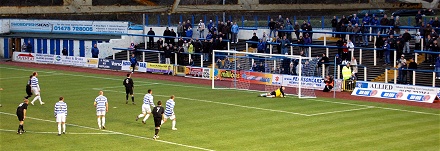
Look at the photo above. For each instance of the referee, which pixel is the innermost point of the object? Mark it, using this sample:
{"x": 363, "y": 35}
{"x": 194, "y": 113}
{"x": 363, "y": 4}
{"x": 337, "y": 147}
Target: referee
{"x": 158, "y": 117}
{"x": 28, "y": 88}
{"x": 129, "y": 86}
{"x": 21, "y": 114}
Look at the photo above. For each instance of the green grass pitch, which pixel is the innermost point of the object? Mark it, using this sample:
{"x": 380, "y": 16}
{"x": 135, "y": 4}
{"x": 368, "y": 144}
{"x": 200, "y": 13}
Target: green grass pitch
{"x": 206, "y": 119}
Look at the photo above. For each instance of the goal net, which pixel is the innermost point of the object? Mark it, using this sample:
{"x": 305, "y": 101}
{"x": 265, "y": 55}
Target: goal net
{"x": 265, "y": 72}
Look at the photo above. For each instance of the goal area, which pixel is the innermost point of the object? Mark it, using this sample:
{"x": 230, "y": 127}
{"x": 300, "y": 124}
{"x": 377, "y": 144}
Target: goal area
{"x": 265, "y": 72}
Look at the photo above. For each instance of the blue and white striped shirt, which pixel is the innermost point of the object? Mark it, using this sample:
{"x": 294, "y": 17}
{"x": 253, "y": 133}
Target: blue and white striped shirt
{"x": 148, "y": 99}
{"x": 60, "y": 108}
{"x": 170, "y": 107}
{"x": 101, "y": 102}
{"x": 34, "y": 82}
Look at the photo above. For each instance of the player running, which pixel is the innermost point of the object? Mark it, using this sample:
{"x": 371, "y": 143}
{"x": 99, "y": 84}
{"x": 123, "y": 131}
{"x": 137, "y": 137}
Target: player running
{"x": 169, "y": 112}
{"x": 146, "y": 110}
{"x": 129, "y": 86}
{"x": 60, "y": 112}
{"x": 101, "y": 105}
{"x": 21, "y": 115}
{"x": 278, "y": 93}
{"x": 36, "y": 88}
{"x": 158, "y": 118}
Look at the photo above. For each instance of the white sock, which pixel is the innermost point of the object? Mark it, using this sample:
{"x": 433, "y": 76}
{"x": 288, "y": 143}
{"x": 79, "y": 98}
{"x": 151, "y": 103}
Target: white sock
{"x": 59, "y": 128}
{"x": 141, "y": 115}
{"x": 99, "y": 123}
{"x": 64, "y": 127}
{"x": 103, "y": 121}
{"x": 270, "y": 96}
{"x": 174, "y": 124}
{"x": 35, "y": 98}
{"x": 146, "y": 117}
{"x": 161, "y": 122}
{"x": 39, "y": 99}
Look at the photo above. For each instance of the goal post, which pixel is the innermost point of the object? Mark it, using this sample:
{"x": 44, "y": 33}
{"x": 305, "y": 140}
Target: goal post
{"x": 263, "y": 72}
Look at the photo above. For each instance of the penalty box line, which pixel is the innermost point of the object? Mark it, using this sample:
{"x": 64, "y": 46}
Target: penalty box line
{"x": 199, "y": 87}
{"x": 250, "y": 107}
{"x": 115, "y": 132}
{"x": 70, "y": 133}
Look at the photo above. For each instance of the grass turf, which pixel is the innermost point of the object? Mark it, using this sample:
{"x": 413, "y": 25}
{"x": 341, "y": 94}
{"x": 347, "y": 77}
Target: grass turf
{"x": 206, "y": 119}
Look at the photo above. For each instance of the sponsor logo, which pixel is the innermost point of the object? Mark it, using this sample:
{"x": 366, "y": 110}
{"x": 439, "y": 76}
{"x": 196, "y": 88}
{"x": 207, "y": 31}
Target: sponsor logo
{"x": 116, "y": 63}
{"x": 58, "y": 58}
{"x": 25, "y": 57}
{"x": 92, "y": 61}
{"x": 381, "y": 86}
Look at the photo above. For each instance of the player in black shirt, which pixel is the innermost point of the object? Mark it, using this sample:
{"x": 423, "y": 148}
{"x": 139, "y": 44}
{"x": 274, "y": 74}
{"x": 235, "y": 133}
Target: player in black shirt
{"x": 129, "y": 86}
{"x": 21, "y": 114}
{"x": 158, "y": 117}
{"x": 28, "y": 88}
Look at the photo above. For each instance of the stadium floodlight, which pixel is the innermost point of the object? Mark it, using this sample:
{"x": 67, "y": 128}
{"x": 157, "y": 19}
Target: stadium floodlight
{"x": 258, "y": 71}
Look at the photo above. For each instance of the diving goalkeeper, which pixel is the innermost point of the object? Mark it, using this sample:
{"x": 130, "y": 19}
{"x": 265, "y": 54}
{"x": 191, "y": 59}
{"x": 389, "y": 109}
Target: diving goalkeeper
{"x": 278, "y": 93}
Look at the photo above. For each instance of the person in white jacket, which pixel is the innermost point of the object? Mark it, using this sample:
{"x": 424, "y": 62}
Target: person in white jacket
{"x": 350, "y": 46}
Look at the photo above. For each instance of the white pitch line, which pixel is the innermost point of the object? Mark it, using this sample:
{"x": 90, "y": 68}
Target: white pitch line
{"x": 176, "y": 85}
{"x": 340, "y": 111}
{"x": 69, "y": 133}
{"x": 114, "y": 132}
{"x": 24, "y": 77}
{"x": 236, "y": 105}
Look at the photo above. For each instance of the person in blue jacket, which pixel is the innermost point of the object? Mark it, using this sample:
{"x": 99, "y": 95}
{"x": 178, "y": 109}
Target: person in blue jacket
{"x": 234, "y": 31}
{"x": 95, "y": 51}
{"x": 189, "y": 33}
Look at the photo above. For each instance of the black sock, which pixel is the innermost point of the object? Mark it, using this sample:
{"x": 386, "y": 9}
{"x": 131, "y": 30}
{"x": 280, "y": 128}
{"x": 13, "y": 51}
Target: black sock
{"x": 22, "y": 127}
{"x": 126, "y": 97}
{"x": 156, "y": 131}
{"x": 132, "y": 98}
{"x": 19, "y": 128}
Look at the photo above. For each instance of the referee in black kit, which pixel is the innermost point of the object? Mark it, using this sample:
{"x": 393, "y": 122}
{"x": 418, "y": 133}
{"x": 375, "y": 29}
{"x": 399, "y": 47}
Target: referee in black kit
{"x": 158, "y": 118}
{"x": 28, "y": 88}
{"x": 21, "y": 114}
{"x": 129, "y": 86}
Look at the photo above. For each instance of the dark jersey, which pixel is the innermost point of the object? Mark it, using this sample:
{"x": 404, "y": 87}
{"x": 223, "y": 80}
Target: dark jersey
{"x": 21, "y": 107}
{"x": 128, "y": 83}
{"x": 158, "y": 111}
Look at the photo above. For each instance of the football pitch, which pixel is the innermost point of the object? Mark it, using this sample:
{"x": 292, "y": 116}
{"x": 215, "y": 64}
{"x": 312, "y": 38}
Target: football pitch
{"x": 206, "y": 119}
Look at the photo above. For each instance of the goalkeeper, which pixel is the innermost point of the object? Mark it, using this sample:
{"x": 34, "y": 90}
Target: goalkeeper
{"x": 278, "y": 93}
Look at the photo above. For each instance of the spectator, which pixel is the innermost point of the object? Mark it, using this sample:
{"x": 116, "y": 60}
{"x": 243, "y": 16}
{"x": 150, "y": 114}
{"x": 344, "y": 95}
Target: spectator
{"x": 209, "y": 36}
{"x": 206, "y": 48}
{"x": 187, "y": 26}
{"x": 261, "y": 67}
{"x": 436, "y": 23}
{"x": 435, "y": 47}
{"x": 366, "y": 20}
{"x": 437, "y": 66}
{"x": 226, "y": 30}
{"x": 151, "y": 38}
{"x": 296, "y": 28}
{"x": 402, "y": 69}
{"x": 350, "y": 47}
{"x": 354, "y": 66}
{"x": 220, "y": 27}
{"x": 191, "y": 62}
{"x": 384, "y": 22}
{"x": 399, "y": 48}
{"x": 280, "y": 20}
{"x": 261, "y": 48}
{"x": 167, "y": 32}
{"x": 344, "y": 51}
{"x": 339, "y": 44}
{"x": 338, "y": 60}
{"x": 300, "y": 43}
{"x": 234, "y": 31}
{"x": 309, "y": 30}
{"x": 289, "y": 27}
{"x": 23, "y": 47}
{"x": 265, "y": 37}
{"x": 286, "y": 65}
{"x": 219, "y": 63}
{"x": 329, "y": 83}
{"x": 190, "y": 48}
{"x": 354, "y": 20}
{"x": 386, "y": 49}
{"x": 343, "y": 29}
{"x": 29, "y": 47}
{"x": 198, "y": 46}
{"x": 346, "y": 72}
{"x": 304, "y": 28}
{"x": 255, "y": 39}
{"x": 356, "y": 38}
{"x": 307, "y": 41}
{"x": 168, "y": 55}
{"x": 272, "y": 28}
{"x": 397, "y": 25}
{"x": 379, "y": 43}
{"x": 288, "y": 22}
{"x": 180, "y": 30}
{"x": 427, "y": 31}
{"x": 412, "y": 66}
{"x": 418, "y": 41}
{"x": 189, "y": 32}
{"x": 391, "y": 21}
{"x": 64, "y": 52}
{"x": 406, "y": 38}
{"x": 418, "y": 18}
{"x": 201, "y": 29}
{"x": 334, "y": 24}
{"x": 285, "y": 43}
{"x": 349, "y": 29}
{"x": 374, "y": 22}
{"x": 159, "y": 42}
{"x": 95, "y": 51}
{"x": 281, "y": 33}
{"x": 211, "y": 26}
{"x": 434, "y": 34}
{"x": 324, "y": 61}
{"x": 180, "y": 42}
{"x": 173, "y": 34}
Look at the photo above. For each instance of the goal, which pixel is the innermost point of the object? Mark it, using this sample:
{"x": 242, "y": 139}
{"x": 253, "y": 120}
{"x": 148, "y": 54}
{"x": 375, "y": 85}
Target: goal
{"x": 264, "y": 72}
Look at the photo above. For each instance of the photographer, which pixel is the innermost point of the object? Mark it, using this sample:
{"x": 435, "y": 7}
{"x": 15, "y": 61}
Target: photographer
{"x": 329, "y": 83}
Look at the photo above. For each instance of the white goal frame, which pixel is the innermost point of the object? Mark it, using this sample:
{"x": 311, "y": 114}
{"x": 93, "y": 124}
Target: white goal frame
{"x": 229, "y": 52}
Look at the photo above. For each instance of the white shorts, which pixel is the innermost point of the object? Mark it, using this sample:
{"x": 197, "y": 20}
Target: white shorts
{"x": 146, "y": 108}
{"x": 36, "y": 90}
{"x": 100, "y": 113}
{"x": 61, "y": 118}
{"x": 172, "y": 117}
